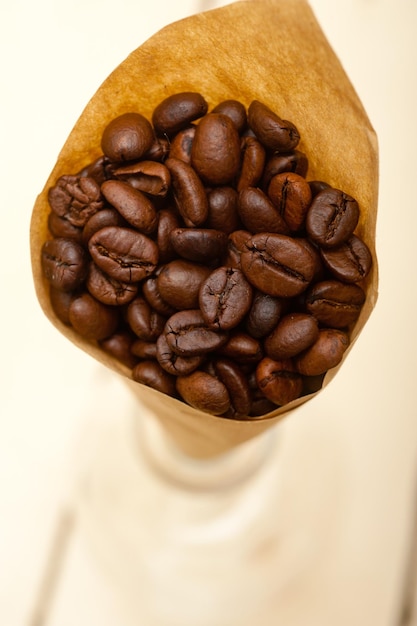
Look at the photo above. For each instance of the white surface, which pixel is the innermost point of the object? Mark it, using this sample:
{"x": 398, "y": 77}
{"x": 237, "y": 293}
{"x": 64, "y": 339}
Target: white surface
{"x": 53, "y": 57}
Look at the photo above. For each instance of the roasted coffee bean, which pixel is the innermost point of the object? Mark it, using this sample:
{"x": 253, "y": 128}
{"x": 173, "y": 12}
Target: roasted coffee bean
{"x": 151, "y": 374}
{"x": 177, "y": 111}
{"x": 215, "y": 154}
{"x": 64, "y": 263}
{"x": 223, "y": 213}
{"x": 119, "y": 346}
{"x": 97, "y": 169}
{"x": 204, "y": 392}
{"x": 253, "y": 161}
{"x": 146, "y": 323}
{"x": 143, "y": 349}
{"x": 181, "y": 144}
{"x": 75, "y": 198}
{"x": 92, "y": 319}
{"x": 150, "y": 177}
{"x": 294, "y": 333}
{"x": 159, "y": 150}
{"x": 273, "y": 132}
{"x": 291, "y": 194}
{"x": 225, "y": 297}
{"x": 61, "y": 227}
{"x": 61, "y": 302}
{"x": 179, "y": 283}
{"x": 319, "y": 268}
{"x": 281, "y": 162}
{"x": 235, "y": 110}
{"x": 174, "y": 363}
{"x": 167, "y": 221}
{"x": 318, "y": 185}
{"x": 230, "y": 374}
{"x": 325, "y": 353}
{"x": 123, "y": 253}
{"x": 235, "y": 247}
{"x": 109, "y": 290}
{"x": 264, "y": 314}
{"x": 202, "y": 245}
{"x": 136, "y": 208}
{"x": 279, "y": 381}
{"x": 188, "y": 191}
{"x": 332, "y": 218}
{"x": 277, "y": 264}
{"x": 127, "y": 137}
{"x": 334, "y": 303}
{"x": 350, "y": 262}
{"x": 258, "y": 213}
{"x": 242, "y": 347}
{"x": 152, "y": 296}
{"x": 101, "y": 219}
{"x": 187, "y": 334}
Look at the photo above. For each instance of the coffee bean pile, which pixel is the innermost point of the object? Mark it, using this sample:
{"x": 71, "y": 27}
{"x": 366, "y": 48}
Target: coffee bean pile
{"x": 195, "y": 251}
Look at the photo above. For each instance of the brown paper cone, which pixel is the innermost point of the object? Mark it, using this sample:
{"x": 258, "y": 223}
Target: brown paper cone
{"x": 270, "y": 50}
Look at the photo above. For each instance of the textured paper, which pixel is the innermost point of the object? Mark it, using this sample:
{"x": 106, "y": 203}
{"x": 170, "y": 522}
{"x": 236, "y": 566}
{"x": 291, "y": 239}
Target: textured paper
{"x": 270, "y": 50}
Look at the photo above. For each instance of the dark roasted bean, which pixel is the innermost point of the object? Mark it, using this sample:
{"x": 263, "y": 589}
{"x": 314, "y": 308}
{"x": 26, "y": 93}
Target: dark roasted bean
{"x": 109, "y": 290}
{"x": 204, "y": 392}
{"x": 325, "y": 353}
{"x": 123, "y": 254}
{"x": 279, "y": 381}
{"x": 101, "y": 219}
{"x": 177, "y": 111}
{"x": 151, "y": 374}
{"x": 151, "y": 294}
{"x": 146, "y": 323}
{"x": 61, "y": 227}
{"x": 291, "y": 194}
{"x": 230, "y": 374}
{"x": 181, "y": 144}
{"x": 273, "y": 132}
{"x": 242, "y": 348}
{"x": 61, "y": 301}
{"x": 144, "y": 349}
{"x": 188, "y": 334}
{"x": 235, "y": 110}
{"x": 64, "y": 263}
{"x": 149, "y": 177}
{"x": 215, "y": 153}
{"x": 277, "y": 265}
{"x": 332, "y": 218}
{"x": 258, "y": 213}
{"x": 351, "y": 262}
{"x": 119, "y": 346}
{"x": 253, "y": 161}
{"x": 236, "y": 245}
{"x": 174, "y": 363}
{"x": 136, "y": 208}
{"x": 225, "y": 297}
{"x": 188, "y": 191}
{"x": 264, "y": 314}
{"x": 199, "y": 244}
{"x": 294, "y": 333}
{"x": 334, "y": 303}
{"x": 179, "y": 283}
{"x": 127, "y": 137}
{"x": 92, "y": 319}
{"x": 223, "y": 213}
{"x": 282, "y": 162}
{"x": 167, "y": 221}
{"x": 75, "y": 198}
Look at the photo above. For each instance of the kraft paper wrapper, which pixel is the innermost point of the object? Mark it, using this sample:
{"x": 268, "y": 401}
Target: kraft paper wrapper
{"x": 270, "y": 50}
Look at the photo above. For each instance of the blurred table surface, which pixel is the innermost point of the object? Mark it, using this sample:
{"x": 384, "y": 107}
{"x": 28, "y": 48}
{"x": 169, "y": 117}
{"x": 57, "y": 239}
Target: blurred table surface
{"x": 53, "y": 57}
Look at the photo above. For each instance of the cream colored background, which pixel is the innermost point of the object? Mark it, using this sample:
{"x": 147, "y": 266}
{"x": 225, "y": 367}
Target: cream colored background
{"x": 53, "y": 57}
